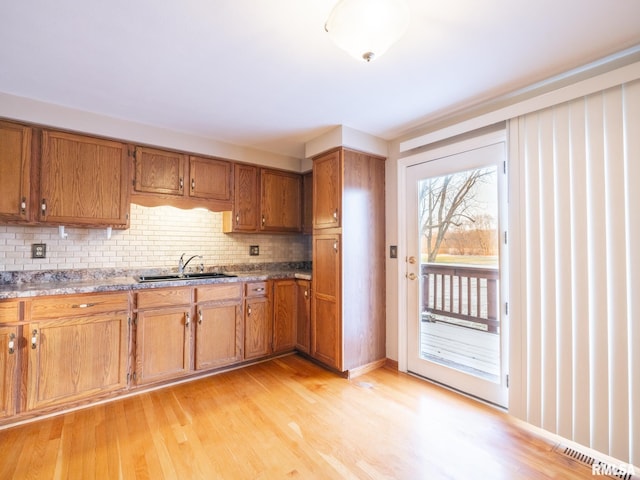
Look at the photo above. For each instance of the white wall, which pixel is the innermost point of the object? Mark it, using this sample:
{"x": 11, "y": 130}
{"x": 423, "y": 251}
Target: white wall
{"x": 56, "y": 116}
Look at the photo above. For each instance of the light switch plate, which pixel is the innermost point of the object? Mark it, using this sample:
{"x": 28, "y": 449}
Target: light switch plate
{"x": 393, "y": 251}
{"x": 39, "y": 250}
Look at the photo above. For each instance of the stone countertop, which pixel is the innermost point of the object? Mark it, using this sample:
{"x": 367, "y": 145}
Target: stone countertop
{"x": 61, "y": 285}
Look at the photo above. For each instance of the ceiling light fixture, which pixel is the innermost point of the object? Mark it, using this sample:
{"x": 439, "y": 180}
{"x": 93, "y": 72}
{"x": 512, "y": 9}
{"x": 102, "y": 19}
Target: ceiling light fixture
{"x": 367, "y": 28}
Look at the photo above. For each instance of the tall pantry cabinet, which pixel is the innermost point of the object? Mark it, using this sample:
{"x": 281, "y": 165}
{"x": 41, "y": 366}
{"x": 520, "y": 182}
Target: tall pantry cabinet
{"x": 348, "y": 291}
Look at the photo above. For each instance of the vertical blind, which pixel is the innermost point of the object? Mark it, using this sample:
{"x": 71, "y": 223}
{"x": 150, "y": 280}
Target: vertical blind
{"x": 577, "y": 309}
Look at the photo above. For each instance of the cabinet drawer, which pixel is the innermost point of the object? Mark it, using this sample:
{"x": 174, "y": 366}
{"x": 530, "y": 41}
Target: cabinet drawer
{"x": 216, "y": 293}
{"x": 256, "y": 289}
{"x": 165, "y": 297}
{"x": 9, "y": 311}
{"x": 76, "y": 305}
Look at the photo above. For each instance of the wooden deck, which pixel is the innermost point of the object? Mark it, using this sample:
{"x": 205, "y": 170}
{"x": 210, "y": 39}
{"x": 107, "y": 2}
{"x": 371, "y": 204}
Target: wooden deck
{"x": 472, "y": 351}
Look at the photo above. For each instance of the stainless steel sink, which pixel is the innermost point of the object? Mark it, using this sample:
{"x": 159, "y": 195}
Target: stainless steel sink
{"x": 178, "y": 277}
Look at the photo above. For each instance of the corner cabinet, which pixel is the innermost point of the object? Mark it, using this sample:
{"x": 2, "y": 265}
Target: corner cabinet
{"x": 84, "y": 181}
{"x": 348, "y": 286}
{"x": 15, "y": 169}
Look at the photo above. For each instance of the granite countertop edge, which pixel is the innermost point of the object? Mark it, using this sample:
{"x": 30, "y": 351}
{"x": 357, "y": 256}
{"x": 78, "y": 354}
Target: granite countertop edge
{"x": 130, "y": 283}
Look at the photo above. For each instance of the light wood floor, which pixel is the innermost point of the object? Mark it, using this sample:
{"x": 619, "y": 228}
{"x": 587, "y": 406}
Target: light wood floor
{"x": 286, "y": 418}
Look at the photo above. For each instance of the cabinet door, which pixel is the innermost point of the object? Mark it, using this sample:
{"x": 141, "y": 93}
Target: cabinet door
{"x": 210, "y": 179}
{"x": 73, "y": 359}
{"x": 303, "y": 330}
{"x": 15, "y": 169}
{"x": 257, "y": 328}
{"x": 307, "y": 203}
{"x": 285, "y": 303}
{"x": 84, "y": 181}
{"x": 159, "y": 171}
{"x": 245, "y": 208}
{"x": 162, "y": 344}
{"x": 218, "y": 335}
{"x": 327, "y": 190}
{"x": 8, "y": 369}
{"x": 326, "y": 325}
{"x": 281, "y": 201}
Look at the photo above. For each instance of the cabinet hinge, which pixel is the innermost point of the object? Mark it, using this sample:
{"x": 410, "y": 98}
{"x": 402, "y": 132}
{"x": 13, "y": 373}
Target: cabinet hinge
{"x": 504, "y": 167}
{"x": 506, "y": 308}
{"x": 505, "y": 237}
{"x": 507, "y": 380}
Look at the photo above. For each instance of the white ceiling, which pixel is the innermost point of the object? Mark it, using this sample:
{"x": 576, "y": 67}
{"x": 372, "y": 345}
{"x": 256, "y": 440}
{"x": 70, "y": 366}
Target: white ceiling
{"x": 263, "y": 73}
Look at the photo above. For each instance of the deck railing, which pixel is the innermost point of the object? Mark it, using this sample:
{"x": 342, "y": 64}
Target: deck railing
{"x": 462, "y": 293}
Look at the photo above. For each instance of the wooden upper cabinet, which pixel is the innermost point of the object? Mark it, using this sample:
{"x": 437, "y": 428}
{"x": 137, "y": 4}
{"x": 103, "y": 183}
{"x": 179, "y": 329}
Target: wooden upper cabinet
{"x": 307, "y": 203}
{"x": 244, "y": 217}
{"x": 327, "y": 190}
{"x": 15, "y": 170}
{"x": 159, "y": 171}
{"x": 210, "y": 178}
{"x": 280, "y": 201}
{"x": 83, "y": 181}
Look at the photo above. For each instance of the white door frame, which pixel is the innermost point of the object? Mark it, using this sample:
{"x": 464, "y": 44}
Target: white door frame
{"x": 403, "y": 164}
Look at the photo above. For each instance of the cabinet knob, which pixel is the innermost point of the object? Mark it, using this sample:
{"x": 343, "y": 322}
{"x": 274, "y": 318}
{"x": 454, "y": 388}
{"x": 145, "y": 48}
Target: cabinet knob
{"x": 335, "y": 215}
{"x": 248, "y": 310}
{"x": 43, "y": 206}
{"x": 12, "y": 339}
{"x": 335, "y": 246}
{"x": 306, "y": 294}
{"x": 181, "y": 183}
{"x": 237, "y": 218}
{"x": 263, "y": 220}
{"x": 34, "y": 339}
{"x": 23, "y": 205}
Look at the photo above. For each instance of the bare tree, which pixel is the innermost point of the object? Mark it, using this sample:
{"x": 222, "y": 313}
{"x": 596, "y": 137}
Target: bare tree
{"x": 448, "y": 201}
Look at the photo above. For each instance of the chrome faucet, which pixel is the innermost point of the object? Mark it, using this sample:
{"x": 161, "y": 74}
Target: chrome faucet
{"x": 182, "y": 264}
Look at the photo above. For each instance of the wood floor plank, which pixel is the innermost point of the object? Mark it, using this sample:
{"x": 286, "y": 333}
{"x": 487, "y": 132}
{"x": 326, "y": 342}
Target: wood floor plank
{"x": 286, "y": 418}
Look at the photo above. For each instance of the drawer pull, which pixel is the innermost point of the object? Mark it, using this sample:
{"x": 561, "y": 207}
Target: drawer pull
{"x": 306, "y": 294}
{"x": 199, "y": 317}
{"x": 12, "y": 339}
{"x": 248, "y": 310}
{"x": 83, "y": 305}
{"x": 34, "y": 339}
{"x": 260, "y": 289}
{"x": 187, "y": 319}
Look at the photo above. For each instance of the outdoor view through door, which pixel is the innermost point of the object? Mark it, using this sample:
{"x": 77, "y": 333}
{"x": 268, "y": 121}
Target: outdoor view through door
{"x": 455, "y": 329}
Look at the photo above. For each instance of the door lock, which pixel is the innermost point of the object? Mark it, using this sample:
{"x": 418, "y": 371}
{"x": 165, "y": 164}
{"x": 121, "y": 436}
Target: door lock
{"x": 411, "y": 260}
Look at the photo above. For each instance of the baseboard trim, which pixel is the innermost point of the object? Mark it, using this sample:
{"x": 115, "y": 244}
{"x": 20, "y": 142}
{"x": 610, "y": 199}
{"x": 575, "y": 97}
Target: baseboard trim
{"x": 356, "y": 372}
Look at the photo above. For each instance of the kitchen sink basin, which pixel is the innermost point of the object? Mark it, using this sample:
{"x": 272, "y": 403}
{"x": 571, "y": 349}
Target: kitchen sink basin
{"x": 177, "y": 277}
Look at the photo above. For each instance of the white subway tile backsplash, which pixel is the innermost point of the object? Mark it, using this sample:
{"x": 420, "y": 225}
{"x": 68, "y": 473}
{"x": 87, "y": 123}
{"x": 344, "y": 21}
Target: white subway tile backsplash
{"x": 156, "y": 239}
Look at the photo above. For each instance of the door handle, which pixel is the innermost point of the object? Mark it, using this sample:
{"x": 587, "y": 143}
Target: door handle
{"x": 411, "y": 260}
{"x": 411, "y": 276}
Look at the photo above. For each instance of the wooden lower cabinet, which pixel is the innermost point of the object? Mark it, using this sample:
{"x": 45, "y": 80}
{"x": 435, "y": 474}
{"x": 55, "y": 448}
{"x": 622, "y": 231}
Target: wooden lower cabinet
{"x": 257, "y": 320}
{"x": 9, "y": 342}
{"x": 284, "y": 315}
{"x": 303, "y": 316}
{"x": 76, "y": 358}
{"x": 218, "y": 332}
{"x": 326, "y": 324}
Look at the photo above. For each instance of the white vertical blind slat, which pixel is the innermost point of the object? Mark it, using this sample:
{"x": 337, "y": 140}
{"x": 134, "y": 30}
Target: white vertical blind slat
{"x": 596, "y": 239}
{"x": 631, "y": 129}
{"x": 579, "y": 256}
{"x": 562, "y": 227}
{"x": 616, "y": 274}
{"x": 580, "y": 286}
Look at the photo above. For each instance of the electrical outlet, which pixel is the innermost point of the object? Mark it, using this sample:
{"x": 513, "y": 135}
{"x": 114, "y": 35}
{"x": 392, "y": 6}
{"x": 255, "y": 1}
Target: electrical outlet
{"x": 39, "y": 250}
{"x": 393, "y": 251}
{"x": 254, "y": 250}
